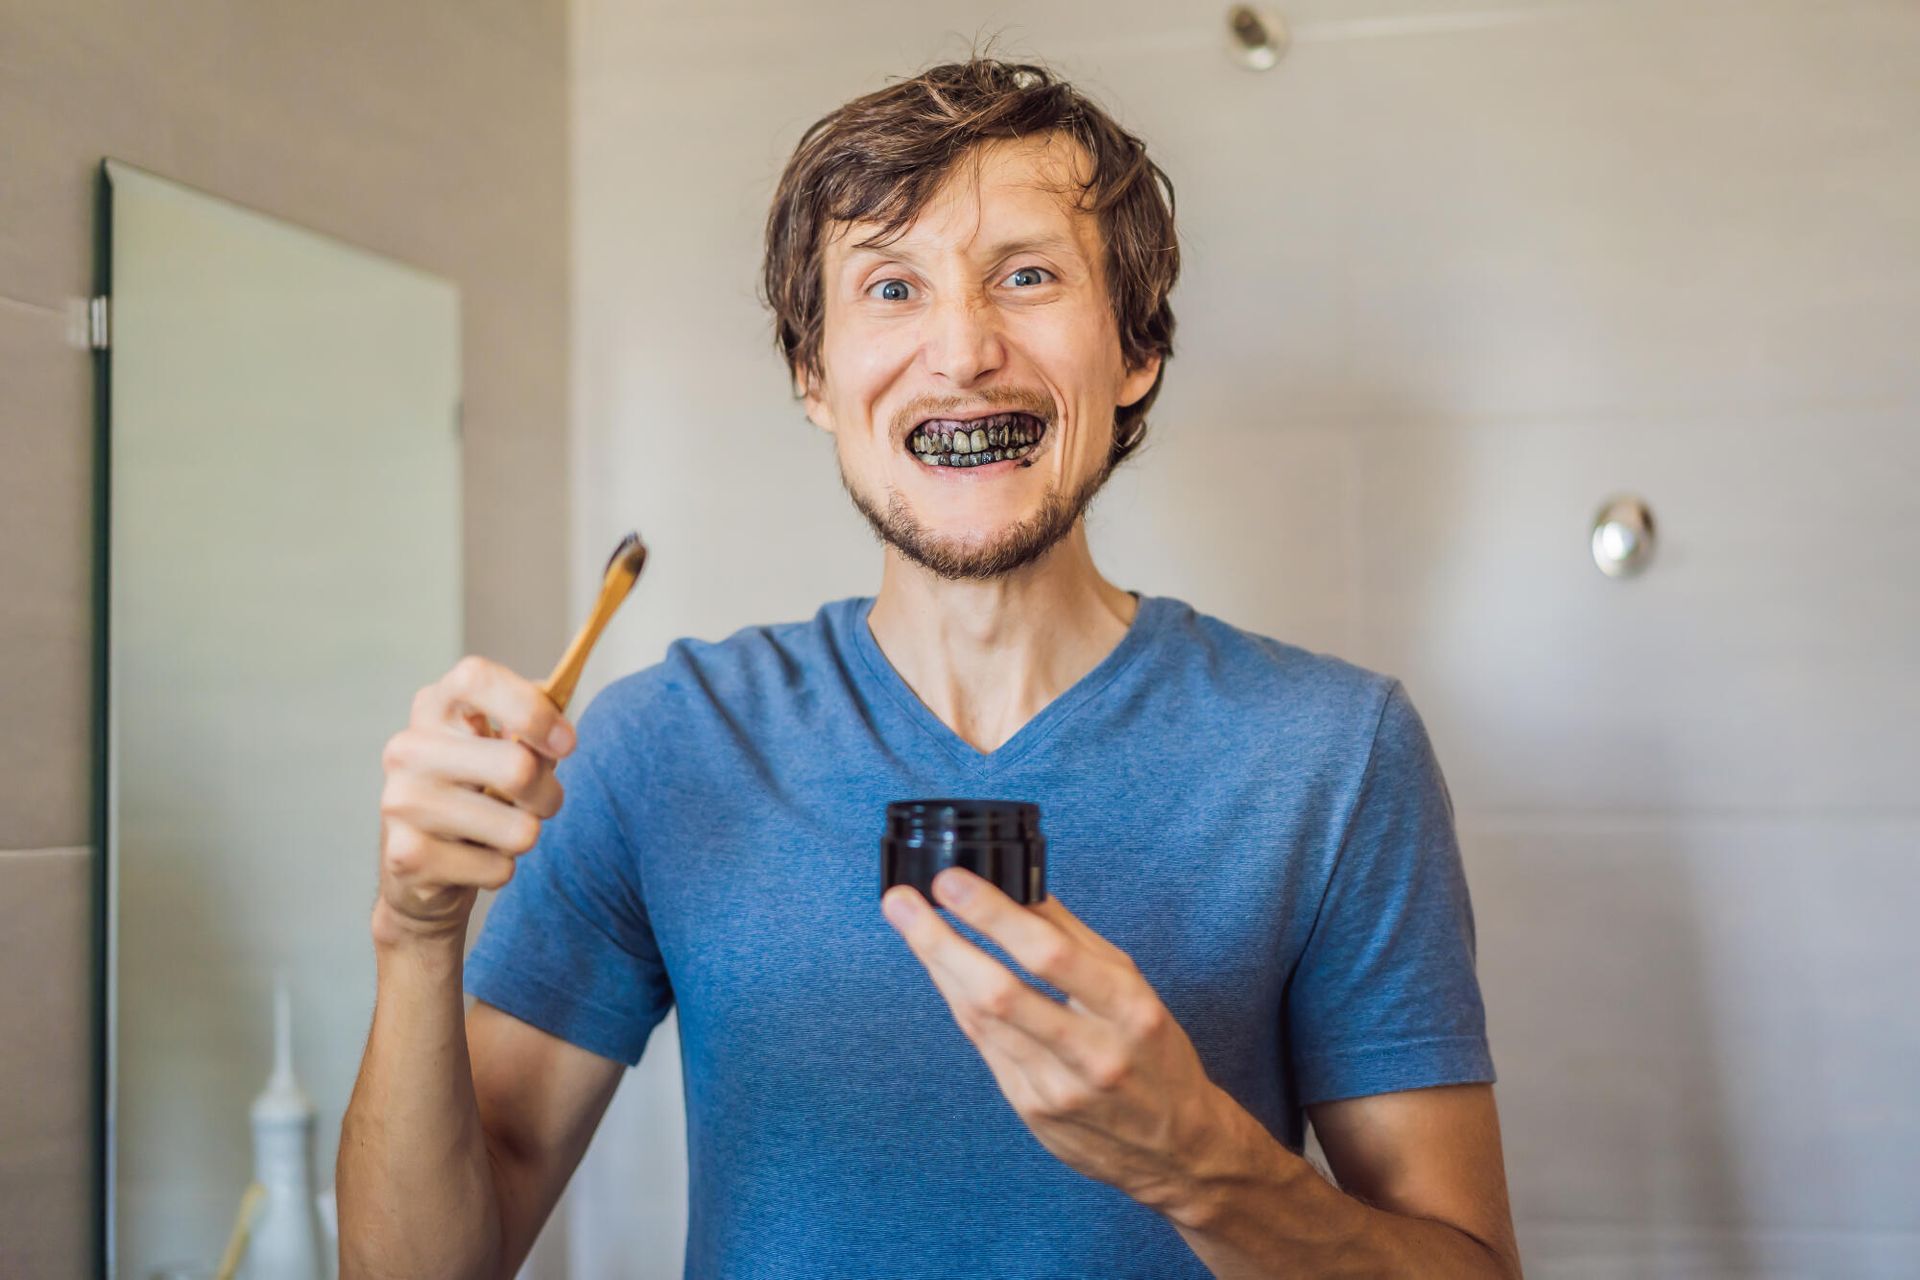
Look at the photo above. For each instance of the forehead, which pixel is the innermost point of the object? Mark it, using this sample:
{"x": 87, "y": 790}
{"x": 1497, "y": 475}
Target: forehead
{"x": 997, "y": 191}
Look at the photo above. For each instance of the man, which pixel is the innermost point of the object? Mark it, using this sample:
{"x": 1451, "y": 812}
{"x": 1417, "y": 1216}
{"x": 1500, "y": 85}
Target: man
{"x": 1258, "y": 909}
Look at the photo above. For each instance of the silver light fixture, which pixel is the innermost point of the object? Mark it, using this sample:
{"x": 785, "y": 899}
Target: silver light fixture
{"x": 1623, "y": 537}
{"x": 1259, "y": 36}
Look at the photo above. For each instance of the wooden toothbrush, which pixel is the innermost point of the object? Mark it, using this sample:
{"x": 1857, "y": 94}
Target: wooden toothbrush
{"x": 623, "y": 568}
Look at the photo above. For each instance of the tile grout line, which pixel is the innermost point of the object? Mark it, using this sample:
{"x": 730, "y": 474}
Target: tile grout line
{"x": 25, "y": 305}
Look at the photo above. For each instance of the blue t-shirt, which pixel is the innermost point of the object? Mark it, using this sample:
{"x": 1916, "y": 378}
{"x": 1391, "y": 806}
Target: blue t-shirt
{"x": 1263, "y": 829}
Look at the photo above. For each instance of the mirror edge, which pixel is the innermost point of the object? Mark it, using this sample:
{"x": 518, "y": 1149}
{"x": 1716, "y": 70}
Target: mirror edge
{"x": 101, "y": 948}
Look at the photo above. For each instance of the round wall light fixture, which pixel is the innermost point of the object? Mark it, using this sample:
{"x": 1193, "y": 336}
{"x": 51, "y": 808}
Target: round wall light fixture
{"x": 1259, "y": 36}
{"x": 1623, "y": 537}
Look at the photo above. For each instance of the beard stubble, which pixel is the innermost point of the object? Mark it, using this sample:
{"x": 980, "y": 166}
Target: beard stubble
{"x": 1011, "y": 549}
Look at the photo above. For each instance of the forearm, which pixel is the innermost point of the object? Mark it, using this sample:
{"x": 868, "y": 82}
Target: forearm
{"x": 415, "y": 1183}
{"x": 1257, "y": 1210}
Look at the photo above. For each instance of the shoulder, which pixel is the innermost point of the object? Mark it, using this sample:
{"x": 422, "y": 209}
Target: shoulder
{"x": 759, "y": 667}
{"x": 1350, "y": 735}
{"x": 1267, "y": 680}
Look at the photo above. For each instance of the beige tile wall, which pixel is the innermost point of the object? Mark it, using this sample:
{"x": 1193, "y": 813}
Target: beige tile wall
{"x": 433, "y": 132}
{"x": 46, "y": 1075}
{"x": 1453, "y": 273}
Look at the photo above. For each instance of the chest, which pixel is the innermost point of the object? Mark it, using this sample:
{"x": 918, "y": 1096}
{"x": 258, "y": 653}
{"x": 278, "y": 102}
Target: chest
{"x": 765, "y": 902}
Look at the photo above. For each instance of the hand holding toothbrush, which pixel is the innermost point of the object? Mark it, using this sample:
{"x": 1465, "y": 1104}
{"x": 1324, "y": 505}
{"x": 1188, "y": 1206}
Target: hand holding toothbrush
{"x": 460, "y": 801}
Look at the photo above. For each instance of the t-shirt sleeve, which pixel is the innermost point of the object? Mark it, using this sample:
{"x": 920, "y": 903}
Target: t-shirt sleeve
{"x": 1385, "y": 997}
{"x": 568, "y": 945}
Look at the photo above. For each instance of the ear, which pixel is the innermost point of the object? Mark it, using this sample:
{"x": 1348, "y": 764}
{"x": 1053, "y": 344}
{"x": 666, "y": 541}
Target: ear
{"x": 808, "y": 390}
{"x": 1139, "y": 381}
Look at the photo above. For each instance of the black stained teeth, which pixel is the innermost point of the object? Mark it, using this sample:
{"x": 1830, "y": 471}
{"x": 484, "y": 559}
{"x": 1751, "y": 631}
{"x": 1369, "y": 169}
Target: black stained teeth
{"x": 955, "y": 444}
{"x": 975, "y": 459}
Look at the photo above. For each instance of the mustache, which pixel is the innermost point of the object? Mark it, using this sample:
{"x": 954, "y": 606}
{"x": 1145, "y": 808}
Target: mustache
{"x": 999, "y": 399}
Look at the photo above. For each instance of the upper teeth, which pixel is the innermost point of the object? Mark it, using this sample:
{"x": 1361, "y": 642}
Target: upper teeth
{"x": 1005, "y": 435}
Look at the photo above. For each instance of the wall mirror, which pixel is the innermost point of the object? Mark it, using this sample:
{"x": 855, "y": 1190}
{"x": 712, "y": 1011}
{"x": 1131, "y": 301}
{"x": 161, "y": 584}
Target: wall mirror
{"x": 281, "y": 502}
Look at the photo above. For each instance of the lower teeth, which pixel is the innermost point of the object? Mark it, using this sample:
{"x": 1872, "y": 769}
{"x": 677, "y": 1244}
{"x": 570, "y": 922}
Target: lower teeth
{"x": 975, "y": 459}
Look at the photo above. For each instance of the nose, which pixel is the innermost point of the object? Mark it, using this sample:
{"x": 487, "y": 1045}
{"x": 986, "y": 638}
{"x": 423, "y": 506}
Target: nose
{"x": 961, "y": 340}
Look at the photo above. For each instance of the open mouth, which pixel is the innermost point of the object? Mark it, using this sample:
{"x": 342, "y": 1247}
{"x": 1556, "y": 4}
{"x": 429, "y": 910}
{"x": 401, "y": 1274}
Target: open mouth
{"x": 1004, "y": 437}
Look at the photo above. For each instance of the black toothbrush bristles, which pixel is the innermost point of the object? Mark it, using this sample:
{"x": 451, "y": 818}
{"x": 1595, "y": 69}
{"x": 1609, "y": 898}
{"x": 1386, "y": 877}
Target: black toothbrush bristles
{"x": 630, "y": 555}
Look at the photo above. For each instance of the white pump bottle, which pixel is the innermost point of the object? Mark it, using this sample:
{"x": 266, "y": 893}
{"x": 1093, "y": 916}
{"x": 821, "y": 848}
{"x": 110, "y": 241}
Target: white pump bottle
{"x": 285, "y": 1243}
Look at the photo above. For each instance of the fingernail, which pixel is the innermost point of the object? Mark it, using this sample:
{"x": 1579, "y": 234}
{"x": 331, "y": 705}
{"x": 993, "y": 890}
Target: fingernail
{"x": 954, "y": 886}
{"x": 900, "y": 907}
{"x": 560, "y": 739}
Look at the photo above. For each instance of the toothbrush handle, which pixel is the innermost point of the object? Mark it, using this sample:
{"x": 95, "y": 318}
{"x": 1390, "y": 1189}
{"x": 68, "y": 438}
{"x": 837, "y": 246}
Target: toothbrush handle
{"x": 560, "y": 685}
{"x": 565, "y": 679}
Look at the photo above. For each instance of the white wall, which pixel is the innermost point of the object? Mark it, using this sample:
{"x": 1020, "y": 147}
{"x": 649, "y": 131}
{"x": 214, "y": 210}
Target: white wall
{"x": 1455, "y": 272}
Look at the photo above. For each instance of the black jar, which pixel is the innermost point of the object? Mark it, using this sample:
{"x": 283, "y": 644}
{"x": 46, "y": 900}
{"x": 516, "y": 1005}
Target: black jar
{"x": 997, "y": 840}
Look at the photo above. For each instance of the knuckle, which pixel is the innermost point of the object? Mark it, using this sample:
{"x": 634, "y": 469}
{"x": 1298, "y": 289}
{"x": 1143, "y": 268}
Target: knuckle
{"x": 1148, "y": 1018}
{"x": 470, "y": 671}
{"x": 1065, "y": 1100}
{"x": 425, "y": 699}
{"x": 405, "y": 850}
{"x": 523, "y": 769}
{"x": 396, "y": 797}
{"x": 523, "y": 833}
{"x": 997, "y": 1000}
{"x": 1050, "y": 958}
{"x": 1108, "y": 1073}
{"x": 497, "y": 875}
{"x": 394, "y": 754}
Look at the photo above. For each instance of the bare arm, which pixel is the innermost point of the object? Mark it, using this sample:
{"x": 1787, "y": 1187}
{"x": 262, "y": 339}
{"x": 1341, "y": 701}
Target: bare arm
{"x": 540, "y": 1100}
{"x": 1112, "y": 1085}
{"x": 459, "y": 1138}
{"x": 1427, "y": 1182}
{"x": 462, "y": 1128}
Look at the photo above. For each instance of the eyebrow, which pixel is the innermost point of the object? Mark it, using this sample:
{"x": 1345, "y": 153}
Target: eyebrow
{"x": 1051, "y": 241}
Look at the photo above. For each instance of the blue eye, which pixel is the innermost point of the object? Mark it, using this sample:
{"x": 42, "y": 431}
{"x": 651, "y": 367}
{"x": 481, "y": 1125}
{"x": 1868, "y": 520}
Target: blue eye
{"x": 1025, "y": 271}
{"x": 892, "y": 297}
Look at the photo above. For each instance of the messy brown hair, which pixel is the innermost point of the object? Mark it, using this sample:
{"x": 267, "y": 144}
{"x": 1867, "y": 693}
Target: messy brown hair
{"x": 881, "y": 158}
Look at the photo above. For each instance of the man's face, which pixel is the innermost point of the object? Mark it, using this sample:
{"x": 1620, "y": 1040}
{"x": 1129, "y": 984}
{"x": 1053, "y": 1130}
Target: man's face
{"x": 973, "y": 365}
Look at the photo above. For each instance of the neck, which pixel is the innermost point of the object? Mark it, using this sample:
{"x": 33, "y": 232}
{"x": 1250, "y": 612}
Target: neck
{"x": 987, "y": 656}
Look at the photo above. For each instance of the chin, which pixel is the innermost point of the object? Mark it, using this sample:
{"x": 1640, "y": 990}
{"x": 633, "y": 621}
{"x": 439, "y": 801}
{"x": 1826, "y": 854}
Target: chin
{"x": 968, "y": 543}
{"x": 971, "y": 515}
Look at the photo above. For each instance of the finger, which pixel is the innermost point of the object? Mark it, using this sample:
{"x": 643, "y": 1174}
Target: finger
{"x": 984, "y": 993}
{"x": 1011, "y": 1052}
{"x": 1055, "y": 910}
{"x": 448, "y": 810}
{"x": 512, "y": 701}
{"x": 1017, "y": 1061}
{"x": 419, "y": 860}
{"x": 1043, "y": 944}
{"x": 511, "y": 768}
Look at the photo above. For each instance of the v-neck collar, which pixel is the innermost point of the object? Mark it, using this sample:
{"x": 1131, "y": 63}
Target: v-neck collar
{"x": 1041, "y": 726}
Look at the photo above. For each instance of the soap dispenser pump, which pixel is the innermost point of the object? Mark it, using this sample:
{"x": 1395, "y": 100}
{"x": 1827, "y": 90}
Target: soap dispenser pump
{"x": 285, "y": 1240}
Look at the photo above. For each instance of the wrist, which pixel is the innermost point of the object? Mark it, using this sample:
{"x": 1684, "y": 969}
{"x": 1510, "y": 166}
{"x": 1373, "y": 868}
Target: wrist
{"x": 397, "y": 935}
{"x": 1230, "y": 1154}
